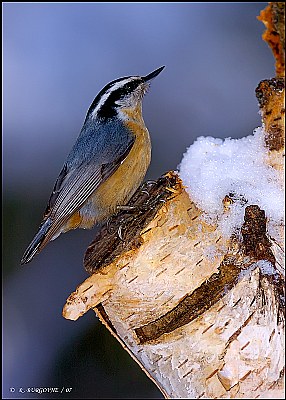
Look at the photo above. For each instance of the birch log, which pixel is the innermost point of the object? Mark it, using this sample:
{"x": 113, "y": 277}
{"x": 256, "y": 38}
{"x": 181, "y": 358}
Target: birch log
{"x": 200, "y": 326}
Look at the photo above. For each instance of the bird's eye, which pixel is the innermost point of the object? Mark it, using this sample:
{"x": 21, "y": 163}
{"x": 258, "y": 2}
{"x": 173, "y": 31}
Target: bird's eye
{"x": 130, "y": 87}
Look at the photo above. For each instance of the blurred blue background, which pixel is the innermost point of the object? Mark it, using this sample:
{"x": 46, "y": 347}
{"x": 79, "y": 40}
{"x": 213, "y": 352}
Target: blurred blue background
{"x": 57, "y": 56}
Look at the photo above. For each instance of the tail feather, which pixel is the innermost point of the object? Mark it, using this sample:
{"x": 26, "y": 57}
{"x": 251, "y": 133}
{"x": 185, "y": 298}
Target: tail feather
{"x": 34, "y": 246}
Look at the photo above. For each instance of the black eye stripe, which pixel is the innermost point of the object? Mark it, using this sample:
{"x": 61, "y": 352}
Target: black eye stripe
{"x": 107, "y": 108}
{"x": 124, "y": 90}
{"x": 101, "y": 93}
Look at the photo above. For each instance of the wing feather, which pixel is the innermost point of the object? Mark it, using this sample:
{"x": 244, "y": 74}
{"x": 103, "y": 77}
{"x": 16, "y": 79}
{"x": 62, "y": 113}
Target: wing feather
{"x": 74, "y": 187}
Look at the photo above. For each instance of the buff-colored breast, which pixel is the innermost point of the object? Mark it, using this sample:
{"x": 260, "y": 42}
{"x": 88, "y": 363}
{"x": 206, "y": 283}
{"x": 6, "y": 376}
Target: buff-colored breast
{"x": 121, "y": 185}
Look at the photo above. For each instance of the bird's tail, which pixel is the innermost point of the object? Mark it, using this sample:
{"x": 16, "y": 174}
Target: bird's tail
{"x": 35, "y": 245}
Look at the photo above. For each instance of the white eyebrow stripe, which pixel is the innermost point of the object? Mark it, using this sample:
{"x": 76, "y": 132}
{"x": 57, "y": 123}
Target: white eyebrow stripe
{"x": 104, "y": 97}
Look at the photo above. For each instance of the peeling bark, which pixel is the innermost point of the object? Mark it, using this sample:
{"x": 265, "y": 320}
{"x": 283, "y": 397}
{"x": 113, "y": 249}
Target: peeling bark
{"x": 273, "y": 18}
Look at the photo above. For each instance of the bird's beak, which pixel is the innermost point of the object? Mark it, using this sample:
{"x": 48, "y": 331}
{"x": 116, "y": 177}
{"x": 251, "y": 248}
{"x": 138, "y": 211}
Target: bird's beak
{"x": 153, "y": 74}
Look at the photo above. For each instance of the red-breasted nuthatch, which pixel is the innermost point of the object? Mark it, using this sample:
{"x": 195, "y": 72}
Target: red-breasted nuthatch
{"x": 106, "y": 165}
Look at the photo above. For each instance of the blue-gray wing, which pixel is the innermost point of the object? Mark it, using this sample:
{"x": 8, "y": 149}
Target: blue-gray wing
{"x": 94, "y": 158}
{"x": 97, "y": 153}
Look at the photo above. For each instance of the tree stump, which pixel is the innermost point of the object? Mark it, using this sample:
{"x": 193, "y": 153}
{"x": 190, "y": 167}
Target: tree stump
{"x": 202, "y": 315}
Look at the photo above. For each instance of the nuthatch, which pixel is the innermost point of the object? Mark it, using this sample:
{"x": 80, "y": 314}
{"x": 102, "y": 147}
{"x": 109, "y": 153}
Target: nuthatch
{"x": 106, "y": 165}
